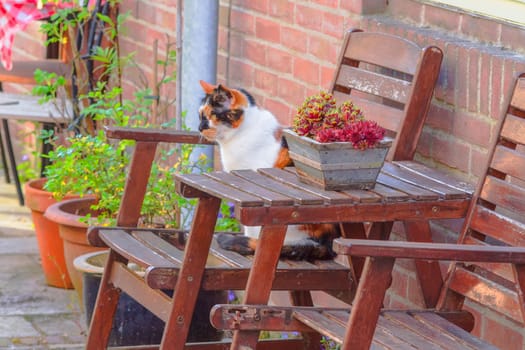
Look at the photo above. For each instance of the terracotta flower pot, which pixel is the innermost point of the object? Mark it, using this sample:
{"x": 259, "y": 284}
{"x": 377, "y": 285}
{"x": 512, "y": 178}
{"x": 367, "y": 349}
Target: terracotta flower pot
{"x": 49, "y": 242}
{"x": 67, "y": 215}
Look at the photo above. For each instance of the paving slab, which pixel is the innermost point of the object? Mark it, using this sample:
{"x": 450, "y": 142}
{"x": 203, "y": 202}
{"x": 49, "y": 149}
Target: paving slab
{"x": 33, "y": 315}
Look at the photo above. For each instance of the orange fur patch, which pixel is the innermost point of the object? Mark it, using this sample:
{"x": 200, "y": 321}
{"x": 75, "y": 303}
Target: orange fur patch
{"x": 209, "y": 134}
{"x": 252, "y": 243}
{"x": 207, "y": 87}
{"x": 320, "y": 230}
{"x": 237, "y": 123}
{"x": 283, "y": 159}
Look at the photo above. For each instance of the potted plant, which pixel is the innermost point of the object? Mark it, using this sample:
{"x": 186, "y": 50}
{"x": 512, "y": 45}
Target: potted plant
{"x": 335, "y": 147}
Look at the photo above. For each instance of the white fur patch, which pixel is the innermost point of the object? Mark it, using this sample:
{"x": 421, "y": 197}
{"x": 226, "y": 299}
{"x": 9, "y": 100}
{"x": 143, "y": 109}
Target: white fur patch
{"x": 252, "y": 145}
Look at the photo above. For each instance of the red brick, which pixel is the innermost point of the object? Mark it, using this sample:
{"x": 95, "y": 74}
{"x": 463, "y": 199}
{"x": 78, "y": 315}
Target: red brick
{"x": 329, "y": 3}
{"x": 242, "y": 73}
{"x": 268, "y": 30}
{"x": 306, "y": 70}
{"x": 471, "y": 128}
{"x": 254, "y": 51}
{"x": 414, "y": 293}
{"x": 323, "y": 49}
{"x": 308, "y": 17}
{"x": 259, "y": 6}
{"x": 484, "y": 84}
{"x": 280, "y": 110}
{"x": 364, "y": 6}
{"x": 399, "y": 283}
{"x": 451, "y": 152}
{"x": 279, "y": 60}
{"x": 501, "y": 335}
{"x": 327, "y": 75}
{"x": 406, "y": 9}
{"x": 440, "y": 117}
{"x": 242, "y": 22}
{"x": 496, "y": 86}
{"x": 448, "y": 72}
{"x": 462, "y": 77}
{"x": 441, "y": 17}
{"x": 334, "y": 25}
{"x": 478, "y": 161}
{"x": 483, "y": 28}
{"x": 473, "y": 79}
{"x": 291, "y": 91}
{"x": 293, "y": 39}
{"x": 267, "y": 82}
{"x": 512, "y": 36}
{"x": 282, "y": 9}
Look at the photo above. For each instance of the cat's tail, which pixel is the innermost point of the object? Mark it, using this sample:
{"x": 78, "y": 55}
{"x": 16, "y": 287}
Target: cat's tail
{"x": 304, "y": 249}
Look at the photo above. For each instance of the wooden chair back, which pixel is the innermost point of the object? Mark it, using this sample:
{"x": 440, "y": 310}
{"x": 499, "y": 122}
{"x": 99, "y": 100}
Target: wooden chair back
{"x": 392, "y": 80}
{"x": 496, "y": 218}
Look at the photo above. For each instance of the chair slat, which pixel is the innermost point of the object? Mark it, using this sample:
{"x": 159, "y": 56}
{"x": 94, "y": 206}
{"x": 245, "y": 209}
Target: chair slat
{"x": 374, "y": 83}
{"x": 379, "y": 49}
{"x": 486, "y": 292}
{"x": 449, "y": 328}
{"x": 503, "y": 194}
{"x": 514, "y": 129}
{"x": 498, "y": 226}
{"x": 518, "y": 98}
{"x": 509, "y": 161}
{"x": 133, "y": 250}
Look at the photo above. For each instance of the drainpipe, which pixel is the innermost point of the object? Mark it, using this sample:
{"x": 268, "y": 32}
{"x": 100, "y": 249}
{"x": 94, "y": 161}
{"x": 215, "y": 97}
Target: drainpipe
{"x": 199, "y": 58}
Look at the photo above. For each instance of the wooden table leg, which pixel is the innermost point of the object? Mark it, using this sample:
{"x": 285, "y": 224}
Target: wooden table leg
{"x": 260, "y": 279}
{"x": 428, "y": 272}
{"x": 190, "y": 275}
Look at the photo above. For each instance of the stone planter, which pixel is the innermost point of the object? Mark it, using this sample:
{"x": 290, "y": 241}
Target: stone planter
{"x": 336, "y": 165}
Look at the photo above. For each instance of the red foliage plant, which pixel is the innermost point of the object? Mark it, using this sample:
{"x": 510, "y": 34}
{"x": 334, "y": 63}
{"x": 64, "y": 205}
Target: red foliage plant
{"x": 321, "y": 119}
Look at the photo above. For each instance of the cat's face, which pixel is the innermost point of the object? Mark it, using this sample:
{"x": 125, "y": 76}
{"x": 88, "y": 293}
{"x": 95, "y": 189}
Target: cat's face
{"x": 221, "y": 110}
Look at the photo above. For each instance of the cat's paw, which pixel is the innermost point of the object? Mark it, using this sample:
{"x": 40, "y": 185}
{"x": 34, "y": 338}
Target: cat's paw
{"x": 237, "y": 243}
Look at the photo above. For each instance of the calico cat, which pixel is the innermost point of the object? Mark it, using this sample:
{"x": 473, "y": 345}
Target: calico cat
{"x": 250, "y": 137}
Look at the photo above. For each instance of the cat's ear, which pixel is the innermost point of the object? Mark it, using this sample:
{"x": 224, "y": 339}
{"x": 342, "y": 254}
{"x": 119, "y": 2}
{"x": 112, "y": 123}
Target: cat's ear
{"x": 207, "y": 87}
{"x": 238, "y": 99}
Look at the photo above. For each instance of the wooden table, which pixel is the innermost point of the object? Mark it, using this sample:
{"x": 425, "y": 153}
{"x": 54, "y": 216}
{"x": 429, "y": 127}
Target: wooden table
{"x": 274, "y": 198}
{"x": 26, "y": 108}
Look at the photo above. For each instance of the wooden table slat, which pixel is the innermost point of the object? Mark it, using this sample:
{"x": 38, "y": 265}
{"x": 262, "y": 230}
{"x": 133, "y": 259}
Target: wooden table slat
{"x": 389, "y": 194}
{"x": 289, "y": 177}
{"x": 187, "y": 183}
{"x": 412, "y": 191}
{"x": 300, "y": 196}
{"x": 422, "y": 181}
{"x": 437, "y": 175}
{"x": 272, "y": 197}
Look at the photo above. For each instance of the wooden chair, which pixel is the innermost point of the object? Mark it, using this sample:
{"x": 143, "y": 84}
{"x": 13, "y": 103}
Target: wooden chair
{"x": 419, "y": 68}
{"x": 488, "y": 266}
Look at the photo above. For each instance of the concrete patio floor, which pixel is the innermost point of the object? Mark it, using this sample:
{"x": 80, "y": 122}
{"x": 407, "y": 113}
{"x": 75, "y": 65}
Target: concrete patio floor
{"x": 32, "y": 314}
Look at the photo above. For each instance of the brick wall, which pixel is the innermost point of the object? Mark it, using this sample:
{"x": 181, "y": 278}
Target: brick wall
{"x": 283, "y": 50}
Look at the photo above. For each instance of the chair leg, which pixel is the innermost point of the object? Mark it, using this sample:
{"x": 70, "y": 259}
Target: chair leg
{"x": 12, "y": 160}
{"x": 312, "y": 340}
{"x": 105, "y": 308}
{"x": 4, "y": 159}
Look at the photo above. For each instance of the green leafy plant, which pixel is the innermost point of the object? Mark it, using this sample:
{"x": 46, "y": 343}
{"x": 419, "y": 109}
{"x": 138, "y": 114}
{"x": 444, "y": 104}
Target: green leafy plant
{"x": 321, "y": 119}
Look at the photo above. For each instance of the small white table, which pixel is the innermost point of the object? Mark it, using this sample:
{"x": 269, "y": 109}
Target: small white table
{"x": 27, "y": 108}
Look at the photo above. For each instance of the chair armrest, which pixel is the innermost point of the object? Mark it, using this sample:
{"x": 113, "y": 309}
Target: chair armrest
{"x": 429, "y": 251}
{"x": 156, "y": 135}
